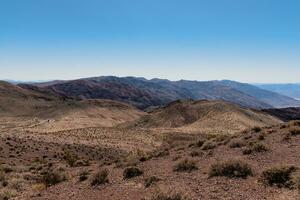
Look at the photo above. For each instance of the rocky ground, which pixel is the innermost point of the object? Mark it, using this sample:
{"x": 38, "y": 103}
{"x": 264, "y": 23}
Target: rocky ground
{"x": 154, "y": 164}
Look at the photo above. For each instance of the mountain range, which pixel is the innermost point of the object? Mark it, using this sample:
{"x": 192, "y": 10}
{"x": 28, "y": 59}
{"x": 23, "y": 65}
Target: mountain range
{"x": 146, "y": 94}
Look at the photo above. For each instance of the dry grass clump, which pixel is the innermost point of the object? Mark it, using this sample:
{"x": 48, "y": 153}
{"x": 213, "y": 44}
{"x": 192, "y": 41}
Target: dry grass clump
{"x": 131, "y": 172}
{"x": 52, "y": 177}
{"x": 7, "y": 194}
{"x": 101, "y": 177}
{"x": 70, "y": 158}
{"x": 186, "y": 165}
{"x": 150, "y": 181}
{"x": 294, "y": 131}
{"x": 255, "y": 147}
{"x": 280, "y": 176}
{"x": 231, "y": 169}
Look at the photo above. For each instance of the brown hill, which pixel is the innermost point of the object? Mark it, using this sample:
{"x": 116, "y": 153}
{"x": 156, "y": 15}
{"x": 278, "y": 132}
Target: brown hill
{"x": 49, "y": 111}
{"x": 208, "y": 116}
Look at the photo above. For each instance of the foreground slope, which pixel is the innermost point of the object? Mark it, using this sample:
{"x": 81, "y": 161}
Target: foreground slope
{"x": 207, "y": 116}
{"x": 168, "y": 163}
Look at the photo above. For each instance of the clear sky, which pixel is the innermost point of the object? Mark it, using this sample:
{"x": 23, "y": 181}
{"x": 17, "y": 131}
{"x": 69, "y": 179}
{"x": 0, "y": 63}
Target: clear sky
{"x": 243, "y": 40}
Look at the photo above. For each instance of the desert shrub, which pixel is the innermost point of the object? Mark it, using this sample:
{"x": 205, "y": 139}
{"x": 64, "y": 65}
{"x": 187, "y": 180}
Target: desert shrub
{"x": 83, "y": 175}
{"x": 231, "y": 169}
{"x": 279, "y": 176}
{"x": 294, "y": 123}
{"x": 7, "y": 194}
{"x": 256, "y": 129}
{"x": 185, "y": 165}
{"x": 150, "y": 181}
{"x": 208, "y": 145}
{"x": 101, "y": 177}
{"x": 131, "y": 172}
{"x": 255, "y": 147}
{"x": 51, "y": 177}
{"x": 238, "y": 143}
{"x": 294, "y": 131}
{"x": 70, "y": 158}
{"x": 258, "y": 147}
{"x": 296, "y": 180}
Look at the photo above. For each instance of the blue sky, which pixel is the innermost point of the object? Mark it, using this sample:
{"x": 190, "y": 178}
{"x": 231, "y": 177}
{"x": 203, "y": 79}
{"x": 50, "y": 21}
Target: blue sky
{"x": 249, "y": 40}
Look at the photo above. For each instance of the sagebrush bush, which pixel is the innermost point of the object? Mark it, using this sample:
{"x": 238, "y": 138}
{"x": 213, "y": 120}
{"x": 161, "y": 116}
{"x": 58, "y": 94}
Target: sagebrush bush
{"x": 185, "y": 165}
{"x": 255, "y": 147}
{"x": 52, "y": 177}
{"x": 70, "y": 158}
{"x": 296, "y": 180}
{"x": 279, "y": 176}
{"x": 101, "y": 177}
{"x": 83, "y": 175}
{"x": 231, "y": 169}
{"x": 131, "y": 172}
{"x": 256, "y": 129}
{"x": 294, "y": 131}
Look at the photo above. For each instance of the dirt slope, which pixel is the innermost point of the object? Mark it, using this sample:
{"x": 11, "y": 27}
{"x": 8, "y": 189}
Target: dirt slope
{"x": 208, "y": 116}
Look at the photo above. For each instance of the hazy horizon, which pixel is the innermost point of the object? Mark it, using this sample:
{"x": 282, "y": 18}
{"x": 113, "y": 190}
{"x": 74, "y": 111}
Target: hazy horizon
{"x": 246, "y": 41}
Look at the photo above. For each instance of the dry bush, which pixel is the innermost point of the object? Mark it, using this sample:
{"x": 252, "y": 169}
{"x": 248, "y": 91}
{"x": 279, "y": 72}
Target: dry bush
{"x": 70, "y": 158}
{"x": 7, "y": 194}
{"x": 131, "y": 172}
{"x": 150, "y": 181}
{"x": 100, "y": 178}
{"x": 279, "y": 176}
{"x": 231, "y": 169}
{"x": 185, "y": 165}
{"x": 83, "y": 175}
{"x": 294, "y": 131}
{"x": 256, "y": 129}
{"x": 255, "y": 147}
{"x": 52, "y": 177}
{"x": 296, "y": 180}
